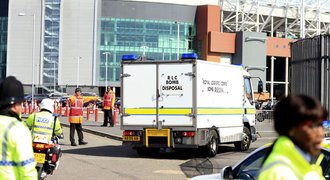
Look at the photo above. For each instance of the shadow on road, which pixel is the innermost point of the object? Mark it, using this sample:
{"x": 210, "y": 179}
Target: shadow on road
{"x": 203, "y": 166}
{"x": 197, "y": 163}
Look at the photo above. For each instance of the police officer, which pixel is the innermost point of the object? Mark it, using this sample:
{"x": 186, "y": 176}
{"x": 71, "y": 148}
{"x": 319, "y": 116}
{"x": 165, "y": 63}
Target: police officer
{"x": 16, "y": 157}
{"x": 76, "y": 117}
{"x": 44, "y": 122}
{"x": 296, "y": 154}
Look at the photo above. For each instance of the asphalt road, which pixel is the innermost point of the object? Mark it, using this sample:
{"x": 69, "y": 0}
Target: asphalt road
{"x": 105, "y": 158}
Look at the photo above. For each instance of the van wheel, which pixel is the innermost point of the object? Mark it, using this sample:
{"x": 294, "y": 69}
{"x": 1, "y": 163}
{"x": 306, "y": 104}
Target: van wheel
{"x": 213, "y": 145}
{"x": 244, "y": 145}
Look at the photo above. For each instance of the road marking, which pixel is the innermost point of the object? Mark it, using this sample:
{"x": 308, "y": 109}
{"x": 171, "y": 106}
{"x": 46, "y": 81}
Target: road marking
{"x": 168, "y": 172}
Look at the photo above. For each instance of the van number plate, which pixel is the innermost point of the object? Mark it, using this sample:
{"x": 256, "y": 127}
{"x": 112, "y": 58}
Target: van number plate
{"x": 131, "y": 138}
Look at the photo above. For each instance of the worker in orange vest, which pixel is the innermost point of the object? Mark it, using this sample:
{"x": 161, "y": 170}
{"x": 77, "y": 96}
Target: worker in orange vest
{"x": 76, "y": 117}
{"x": 108, "y": 104}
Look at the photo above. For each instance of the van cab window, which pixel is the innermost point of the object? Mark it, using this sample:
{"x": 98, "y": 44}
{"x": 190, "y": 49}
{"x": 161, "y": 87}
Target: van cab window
{"x": 248, "y": 89}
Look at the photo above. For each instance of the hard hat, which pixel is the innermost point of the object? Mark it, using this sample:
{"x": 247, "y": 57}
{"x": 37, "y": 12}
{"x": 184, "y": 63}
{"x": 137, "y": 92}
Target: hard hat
{"x": 47, "y": 104}
{"x": 11, "y": 91}
{"x": 77, "y": 90}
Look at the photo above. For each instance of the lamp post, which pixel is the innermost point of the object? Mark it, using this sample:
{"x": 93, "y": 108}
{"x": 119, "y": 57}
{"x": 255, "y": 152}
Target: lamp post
{"x": 144, "y": 50}
{"x": 33, "y": 49}
{"x": 78, "y": 59}
{"x": 54, "y": 75}
{"x": 178, "y": 41}
{"x": 171, "y": 40}
{"x": 106, "y": 68}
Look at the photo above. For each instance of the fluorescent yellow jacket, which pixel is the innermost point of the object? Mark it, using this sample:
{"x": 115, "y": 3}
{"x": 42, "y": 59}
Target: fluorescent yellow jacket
{"x": 16, "y": 157}
{"x": 285, "y": 162}
{"x": 43, "y": 123}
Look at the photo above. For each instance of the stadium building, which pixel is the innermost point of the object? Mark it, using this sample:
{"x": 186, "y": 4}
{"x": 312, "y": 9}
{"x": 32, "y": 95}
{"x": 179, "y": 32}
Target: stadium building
{"x": 56, "y": 44}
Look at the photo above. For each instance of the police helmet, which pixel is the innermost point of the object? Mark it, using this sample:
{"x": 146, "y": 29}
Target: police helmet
{"x": 77, "y": 90}
{"x": 47, "y": 104}
{"x": 11, "y": 91}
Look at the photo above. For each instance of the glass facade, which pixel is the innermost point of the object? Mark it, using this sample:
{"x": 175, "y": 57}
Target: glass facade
{"x": 155, "y": 40}
{"x": 51, "y": 42}
{"x": 3, "y": 46}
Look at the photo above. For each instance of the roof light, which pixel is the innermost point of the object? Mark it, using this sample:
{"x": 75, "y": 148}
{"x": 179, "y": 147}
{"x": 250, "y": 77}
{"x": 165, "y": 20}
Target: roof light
{"x": 129, "y": 57}
{"x": 189, "y": 56}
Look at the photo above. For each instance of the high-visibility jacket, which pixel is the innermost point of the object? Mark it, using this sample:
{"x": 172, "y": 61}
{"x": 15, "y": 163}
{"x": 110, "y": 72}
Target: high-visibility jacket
{"x": 16, "y": 157}
{"x": 76, "y": 109}
{"x": 286, "y": 162}
{"x": 42, "y": 123}
{"x": 109, "y": 100}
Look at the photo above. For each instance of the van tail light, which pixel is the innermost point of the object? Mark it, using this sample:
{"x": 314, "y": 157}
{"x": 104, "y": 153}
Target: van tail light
{"x": 188, "y": 133}
{"x": 129, "y": 133}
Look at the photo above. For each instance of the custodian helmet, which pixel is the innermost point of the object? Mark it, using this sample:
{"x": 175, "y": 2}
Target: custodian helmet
{"x": 11, "y": 91}
{"x": 47, "y": 104}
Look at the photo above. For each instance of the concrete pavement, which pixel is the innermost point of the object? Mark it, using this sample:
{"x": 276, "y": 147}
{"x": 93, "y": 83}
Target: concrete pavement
{"x": 94, "y": 127}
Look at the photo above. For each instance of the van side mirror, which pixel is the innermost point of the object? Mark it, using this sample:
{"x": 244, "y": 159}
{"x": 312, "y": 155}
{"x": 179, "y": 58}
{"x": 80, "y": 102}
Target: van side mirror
{"x": 227, "y": 172}
{"x": 260, "y": 86}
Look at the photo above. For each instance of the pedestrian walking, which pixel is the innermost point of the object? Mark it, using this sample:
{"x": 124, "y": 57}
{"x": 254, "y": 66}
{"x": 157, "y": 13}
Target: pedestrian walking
{"x": 108, "y": 105}
{"x": 17, "y": 159}
{"x": 296, "y": 154}
{"x": 76, "y": 117}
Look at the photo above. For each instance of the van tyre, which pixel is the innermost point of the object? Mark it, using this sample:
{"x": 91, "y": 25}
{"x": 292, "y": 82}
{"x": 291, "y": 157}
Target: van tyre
{"x": 244, "y": 145}
{"x": 213, "y": 145}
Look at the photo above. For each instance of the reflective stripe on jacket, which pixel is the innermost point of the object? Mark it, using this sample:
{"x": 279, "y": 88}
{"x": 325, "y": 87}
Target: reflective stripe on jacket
{"x": 285, "y": 162}
{"x": 16, "y": 157}
{"x": 76, "y": 109}
{"x": 108, "y": 100}
{"x": 43, "y": 123}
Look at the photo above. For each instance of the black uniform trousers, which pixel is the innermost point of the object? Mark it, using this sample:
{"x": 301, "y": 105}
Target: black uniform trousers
{"x": 77, "y": 127}
{"x": 107, "y": 117}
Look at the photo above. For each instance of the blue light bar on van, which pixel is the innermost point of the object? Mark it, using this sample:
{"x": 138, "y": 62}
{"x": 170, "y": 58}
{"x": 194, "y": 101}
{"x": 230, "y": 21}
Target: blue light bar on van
{"x": 189, "y": 56}
{"x": 129, "y": 57}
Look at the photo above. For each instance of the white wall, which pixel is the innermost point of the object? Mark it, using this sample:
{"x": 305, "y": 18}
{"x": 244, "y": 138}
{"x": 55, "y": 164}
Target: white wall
{"x": 76, "y": 40}
{"x": 20, "y": 40}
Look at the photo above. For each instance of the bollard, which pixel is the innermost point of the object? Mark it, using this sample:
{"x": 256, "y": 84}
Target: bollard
{"x": 34, "y": 106}
{"x": 96, "y": 114}
{"x": 94, "y": 107}
{"x": 37, "y": 108}
{"x": 91, "y": 108}
{"x": 55, "y": 107}
{"x": 60, "y": 111}
{"x": 30, "y": 108}
{"x": 114, "y": 118}
{"x": 23, "y": 108}
{"x": 66, "y": 113}
{"x": 26, "y": 107}
{"x": 88, "y": 112}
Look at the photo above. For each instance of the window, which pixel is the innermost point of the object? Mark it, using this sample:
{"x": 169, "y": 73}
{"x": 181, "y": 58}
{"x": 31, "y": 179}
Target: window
{"x": 248, "y": 89}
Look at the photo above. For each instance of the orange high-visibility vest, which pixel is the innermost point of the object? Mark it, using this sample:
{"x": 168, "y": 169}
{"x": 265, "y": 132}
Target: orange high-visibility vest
{"x": 76, "y": 110}
{"x": 107, "y": 100}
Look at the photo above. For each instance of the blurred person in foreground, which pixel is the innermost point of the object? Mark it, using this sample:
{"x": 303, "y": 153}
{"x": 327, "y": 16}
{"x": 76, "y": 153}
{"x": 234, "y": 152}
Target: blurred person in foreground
{"x": 16, "y": 158}
{"x": 296, "y": 154}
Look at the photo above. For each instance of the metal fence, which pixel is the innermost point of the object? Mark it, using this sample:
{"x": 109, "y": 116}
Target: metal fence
{"x": 310, "y": 68}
